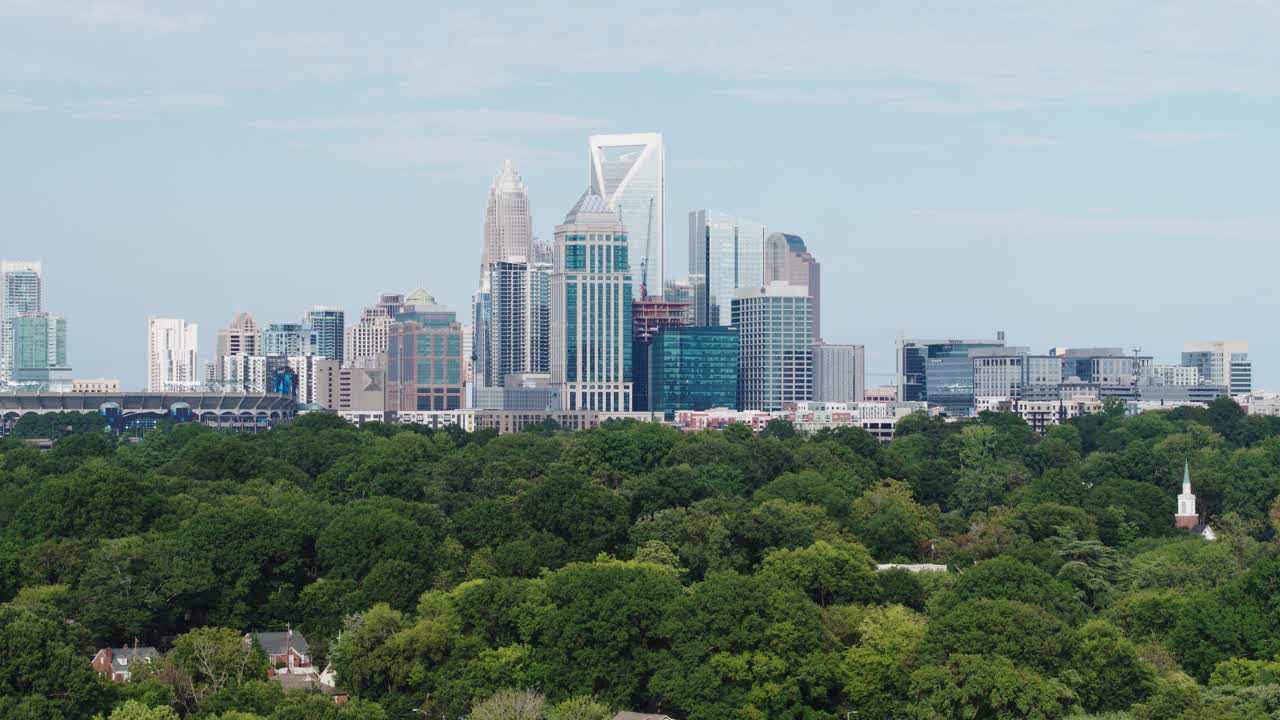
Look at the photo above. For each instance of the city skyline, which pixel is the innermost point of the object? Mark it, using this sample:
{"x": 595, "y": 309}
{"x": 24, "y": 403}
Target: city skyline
{"x": 1116, "y": 152}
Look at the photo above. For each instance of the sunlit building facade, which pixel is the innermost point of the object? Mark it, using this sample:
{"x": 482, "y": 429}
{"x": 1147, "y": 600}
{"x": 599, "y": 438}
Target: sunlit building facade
{"x": 775, "y": 334}
{"x": 726, "y": 252}
{"x": 591, "y": 298}
{"x": 424, "y": 359}
{"x": 628, "y": 173}
{"x": 20, "y": 293}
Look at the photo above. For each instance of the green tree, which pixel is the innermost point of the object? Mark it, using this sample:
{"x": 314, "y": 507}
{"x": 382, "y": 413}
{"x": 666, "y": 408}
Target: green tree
{"x": 580, "y": 707}
{"x": 876, "y": 673}
{"x": 828, "y": 573}
{"x": 973, "y": 686}
{"x": 1023, "y": 633}
{"x": 134, "y": 710}
{"x": 207, "y": 661}
{"x": 601, "y": 635}
{"x": 511, "y": 705}
{"x": 1106, "y": 672}
{"x": 43, "y": 672}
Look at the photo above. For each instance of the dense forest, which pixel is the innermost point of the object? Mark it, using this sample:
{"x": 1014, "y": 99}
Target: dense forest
{"x": 709, "y": 576}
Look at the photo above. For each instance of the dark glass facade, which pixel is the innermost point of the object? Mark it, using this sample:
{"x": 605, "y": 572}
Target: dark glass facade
{"x": 949, "y": 377}
{"x": 693, "y": 368}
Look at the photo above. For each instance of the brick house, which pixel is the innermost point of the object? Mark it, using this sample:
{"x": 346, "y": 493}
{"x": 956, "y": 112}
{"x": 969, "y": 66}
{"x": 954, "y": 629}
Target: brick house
{"x": 287, "y": 652}
{"x": 120, "y": 662}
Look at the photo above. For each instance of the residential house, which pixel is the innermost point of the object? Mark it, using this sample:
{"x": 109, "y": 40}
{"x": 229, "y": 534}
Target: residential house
{"x": 323, "y": 683}
{"x": 640, "y": 716}
{"x": 287, "y": 652}
{"x": 120, "y": 662}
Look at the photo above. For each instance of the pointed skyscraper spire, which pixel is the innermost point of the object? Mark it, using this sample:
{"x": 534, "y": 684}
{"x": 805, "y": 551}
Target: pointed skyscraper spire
{"x": 508, "y": 224}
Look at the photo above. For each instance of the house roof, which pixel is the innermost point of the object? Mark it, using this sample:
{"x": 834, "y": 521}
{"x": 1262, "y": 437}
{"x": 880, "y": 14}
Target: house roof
{"x": 122, "y": 658}
{"x": 640, "y": 716}
{"x": 279, "y": 643}
{"x": 306, "y": 682}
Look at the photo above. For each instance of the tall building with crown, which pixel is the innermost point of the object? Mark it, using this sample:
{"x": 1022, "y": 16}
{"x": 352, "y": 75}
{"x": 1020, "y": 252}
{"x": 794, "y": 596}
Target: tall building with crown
{"x": 591, "y": 310}
{"x": 508, "y": 224}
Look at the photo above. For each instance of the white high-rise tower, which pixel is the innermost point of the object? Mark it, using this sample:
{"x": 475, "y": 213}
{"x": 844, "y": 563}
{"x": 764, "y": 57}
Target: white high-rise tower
{"x": 19, "y": 294}
{"x": 628, "y": 171}
{"x": 508, "y": 224}
{"x": 171, "y": 355}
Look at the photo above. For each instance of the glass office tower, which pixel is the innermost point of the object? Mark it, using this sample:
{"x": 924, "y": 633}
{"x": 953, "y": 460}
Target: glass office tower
{"x": 693, "y": 368}
{"x": 424, "y": 359}
{"x": 940, "y": 372}
{"x": 40, "y": 346}
{"x": 19, "y": 294}
{"x": 328, "y": 324}
{"x": 725, "y": 253}
{"x": 775, "y": 331}
{"x": 591, "y": 310}
{"x": 289, "y": 340}
{"x": 627, "y": 172}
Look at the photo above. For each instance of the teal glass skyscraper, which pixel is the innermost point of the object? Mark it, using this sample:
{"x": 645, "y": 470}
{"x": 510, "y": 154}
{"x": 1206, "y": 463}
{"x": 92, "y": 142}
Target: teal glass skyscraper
{"x": 40, "y": 347}
{"x": 693, "y": 368}
{"x": 328, "y": 324}
{"x": 591, "y": 310}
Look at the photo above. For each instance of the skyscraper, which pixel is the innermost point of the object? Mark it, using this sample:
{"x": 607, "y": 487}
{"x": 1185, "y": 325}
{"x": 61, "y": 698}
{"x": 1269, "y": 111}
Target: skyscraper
{"x": 775, "y": 334}
{"x": 482, "y": 337}
{"x": 940, "y": 372}
{"x": 519, "y": 319}
{"x": 241, "y": 337}
{"x": 693, "y": 368}
{"x": 20, "y": 282}
{"x": 838, "y": 373}
{"x": 787, "y": 260}
{"x": 508, "y": 222}
{"x": 648, "y": 318}
{"x": 591, "y": 309}
{"x": 171, "y": 355}
{"x": 365, "y": 343}
{"x": 1221, "y": 362}
{"x": 328, "y": 324}
{"x": 288, "y": 339}
{"x": 424, "y": 357}
{"x": 725, "y": 253}
{"x": 628, "y": 173}
{"x": 40, "y": 349}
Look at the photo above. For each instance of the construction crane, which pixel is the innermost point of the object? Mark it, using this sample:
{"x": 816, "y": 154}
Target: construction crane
{"x": 644, "y": 261}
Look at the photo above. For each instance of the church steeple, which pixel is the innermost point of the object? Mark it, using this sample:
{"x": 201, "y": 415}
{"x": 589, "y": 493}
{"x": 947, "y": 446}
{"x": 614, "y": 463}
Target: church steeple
{"x": 1187, "y": 516}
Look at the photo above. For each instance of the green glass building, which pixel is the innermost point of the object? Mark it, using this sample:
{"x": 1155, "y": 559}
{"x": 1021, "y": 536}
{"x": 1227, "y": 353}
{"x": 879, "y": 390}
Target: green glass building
{"x": 693, "y": 368}
{"x": 40, "y": 346}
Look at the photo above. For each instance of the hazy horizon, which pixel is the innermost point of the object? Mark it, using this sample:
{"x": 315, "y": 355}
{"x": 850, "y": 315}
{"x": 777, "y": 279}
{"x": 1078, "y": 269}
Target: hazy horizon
{"x": 1072, "y": 175}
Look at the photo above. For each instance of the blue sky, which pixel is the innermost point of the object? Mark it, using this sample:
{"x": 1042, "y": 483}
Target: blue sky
{"x": 1099, "y": 173}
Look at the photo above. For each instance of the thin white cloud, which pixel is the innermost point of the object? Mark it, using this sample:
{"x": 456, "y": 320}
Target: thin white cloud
{"x": 1035, "y": 222}
{"x": 435, "y": 151}
{"x": 16, "y": 103}
{"x": 122, "y": 108}
{"x": 1177, "y": 137}
{"x": 784, "y": 96}
{"x": 133, "y": 17}
{"x": 460, "y": 121}
{"x": 933, "y": 56}
{"x": 1025, "y": 140}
